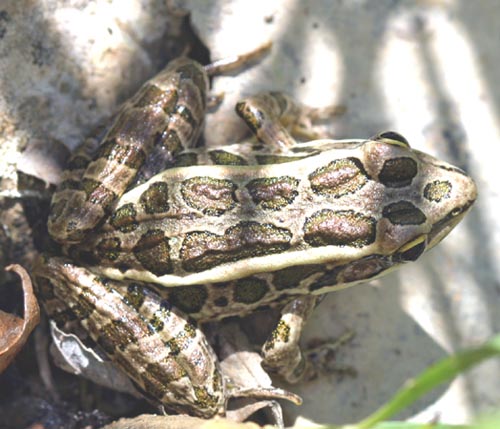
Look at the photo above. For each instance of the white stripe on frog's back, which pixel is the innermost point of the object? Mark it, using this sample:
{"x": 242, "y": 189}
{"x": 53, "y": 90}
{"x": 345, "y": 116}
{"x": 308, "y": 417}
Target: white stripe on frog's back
{"x": 352, "y": 201}
{"x": 165, "y": 115}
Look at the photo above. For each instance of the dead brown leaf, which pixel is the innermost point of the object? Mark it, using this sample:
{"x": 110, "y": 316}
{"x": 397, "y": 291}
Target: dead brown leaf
{"x": 14, "y": 331}
{"x": 178, "y": 422}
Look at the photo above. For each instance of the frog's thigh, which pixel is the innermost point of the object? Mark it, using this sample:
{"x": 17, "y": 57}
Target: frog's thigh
{"x": 164, "y": 352}
{"x": 281, "y": 351}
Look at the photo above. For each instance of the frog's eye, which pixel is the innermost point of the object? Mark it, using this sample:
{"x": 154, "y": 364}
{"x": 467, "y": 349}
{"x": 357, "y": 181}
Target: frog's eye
{"x": 391, "y": 137}
{"x": 412, "y": 250}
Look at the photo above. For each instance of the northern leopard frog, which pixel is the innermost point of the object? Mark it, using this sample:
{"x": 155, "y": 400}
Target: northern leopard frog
{"x": 151, "y": 251}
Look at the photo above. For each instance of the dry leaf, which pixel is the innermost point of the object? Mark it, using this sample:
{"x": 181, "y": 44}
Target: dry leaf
{"x": 71, "y": 355}
{"x": 14, "y": 331}
{"x": 148, "y": 421}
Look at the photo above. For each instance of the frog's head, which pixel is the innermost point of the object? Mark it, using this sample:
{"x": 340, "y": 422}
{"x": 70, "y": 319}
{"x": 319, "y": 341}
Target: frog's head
{"x": 425, "y": 198}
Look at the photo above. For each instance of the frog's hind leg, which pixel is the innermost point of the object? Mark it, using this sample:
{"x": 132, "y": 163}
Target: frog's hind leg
{"x": 155, "y": 344}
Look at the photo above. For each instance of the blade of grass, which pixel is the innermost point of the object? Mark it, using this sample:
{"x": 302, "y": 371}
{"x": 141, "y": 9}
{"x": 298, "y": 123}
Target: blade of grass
{"x": 440, "y": 372}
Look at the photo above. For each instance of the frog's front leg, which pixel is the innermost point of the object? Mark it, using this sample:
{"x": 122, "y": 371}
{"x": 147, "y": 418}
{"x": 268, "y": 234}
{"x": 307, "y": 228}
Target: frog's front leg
{"x": 268, "y": 115}
{"x": 273, "y": 117}
{"x": 281, "y": 351}
{"x": 156, "y": 345}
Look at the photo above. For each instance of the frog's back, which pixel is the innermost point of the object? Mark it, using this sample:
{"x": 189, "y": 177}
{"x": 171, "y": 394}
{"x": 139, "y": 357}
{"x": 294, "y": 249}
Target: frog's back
{"x": 251, "y": 235}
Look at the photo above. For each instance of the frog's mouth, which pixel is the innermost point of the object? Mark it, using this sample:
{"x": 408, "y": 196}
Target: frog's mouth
{"x": 442, "y": 228}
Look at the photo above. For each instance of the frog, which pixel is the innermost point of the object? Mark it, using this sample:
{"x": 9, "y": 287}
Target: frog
{"x": 159, "y": 236}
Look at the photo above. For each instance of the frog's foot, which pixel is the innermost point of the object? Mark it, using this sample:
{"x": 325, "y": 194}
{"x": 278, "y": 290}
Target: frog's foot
{"x": 303, "y": 127}
{"x": 229, "y": 64}
{"x": 281, "y": 351}
{"x": 321, "y": 358}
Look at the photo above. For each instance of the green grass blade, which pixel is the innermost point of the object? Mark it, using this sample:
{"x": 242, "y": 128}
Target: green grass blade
{"x": 440, "y": 372}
